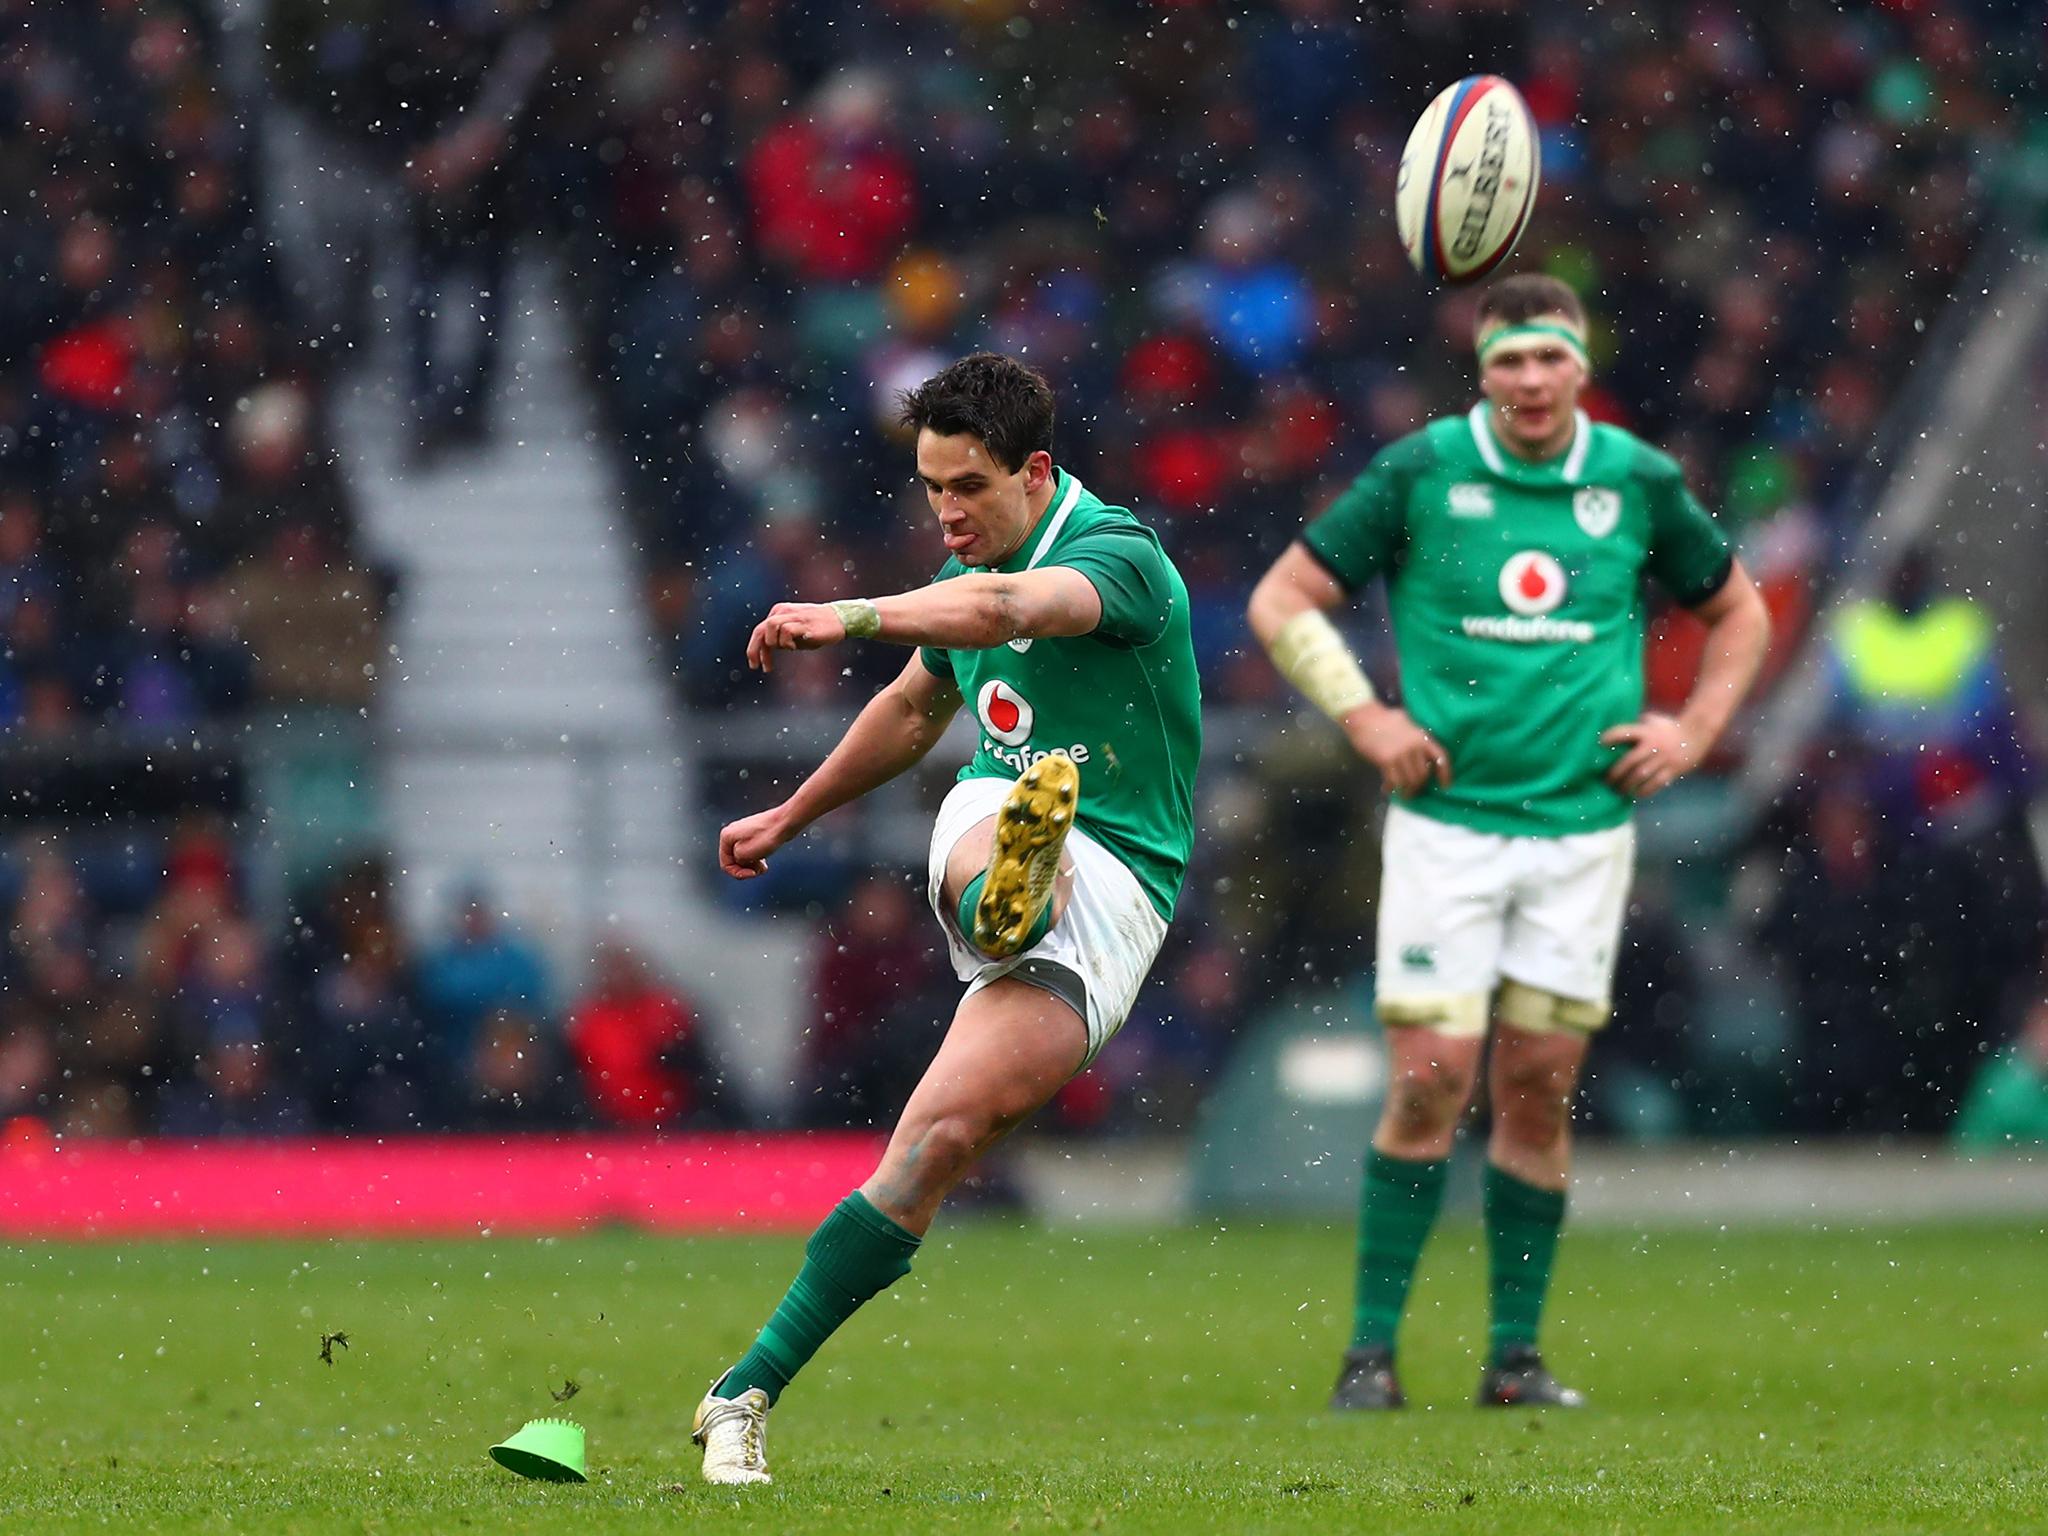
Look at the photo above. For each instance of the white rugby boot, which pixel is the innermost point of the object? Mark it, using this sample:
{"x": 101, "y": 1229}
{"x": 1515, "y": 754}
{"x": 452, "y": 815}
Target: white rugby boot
{"x": 734, "y": 1434}
{"x": 1031, "y": 829}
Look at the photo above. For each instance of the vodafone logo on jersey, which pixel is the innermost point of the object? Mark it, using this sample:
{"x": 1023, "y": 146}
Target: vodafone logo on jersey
{"x": 1005, "y": 713}
{"x": 1008, "y": 718}
{"x": 1531, "y": 583}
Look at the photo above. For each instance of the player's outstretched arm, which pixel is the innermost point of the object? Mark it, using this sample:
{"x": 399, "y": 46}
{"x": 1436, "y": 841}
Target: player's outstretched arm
{"x": 1662, "y": 748}
{"x": 978, "y": 612}
{"x": 969, "y": 613}
{"x": 1289, "y": 614}
{"x": 897, "y": 727}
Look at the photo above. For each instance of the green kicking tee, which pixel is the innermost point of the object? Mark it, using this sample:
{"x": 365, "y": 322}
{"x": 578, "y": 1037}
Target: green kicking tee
{"x": 1515, "y": 590}
{"x": 1123, "y": 702}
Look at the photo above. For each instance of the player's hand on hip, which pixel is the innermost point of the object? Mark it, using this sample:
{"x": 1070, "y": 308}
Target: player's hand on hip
{"x": 1406, "y": 755}
{"x": 793, "y": 627}
{"x": 744, "y": 845}
{"x": 1658, "y": 753}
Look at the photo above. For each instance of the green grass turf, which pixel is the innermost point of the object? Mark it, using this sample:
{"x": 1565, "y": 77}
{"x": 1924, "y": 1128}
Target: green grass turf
{"x": 1840, "y": 1381}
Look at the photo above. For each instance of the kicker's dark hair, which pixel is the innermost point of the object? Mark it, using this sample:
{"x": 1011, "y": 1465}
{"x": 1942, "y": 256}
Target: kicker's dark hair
{"x": 996, "y": 398}
{"x": 1527, "y": 295}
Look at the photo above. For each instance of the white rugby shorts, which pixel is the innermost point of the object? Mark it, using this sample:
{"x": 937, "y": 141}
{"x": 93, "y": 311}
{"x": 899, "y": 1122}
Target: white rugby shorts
{"x": 1462, "y": 911}
{"x": 1108, "y": 935}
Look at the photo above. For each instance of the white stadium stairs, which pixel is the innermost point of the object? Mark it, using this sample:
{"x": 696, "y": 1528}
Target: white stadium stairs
{"x": 527, "y": 739}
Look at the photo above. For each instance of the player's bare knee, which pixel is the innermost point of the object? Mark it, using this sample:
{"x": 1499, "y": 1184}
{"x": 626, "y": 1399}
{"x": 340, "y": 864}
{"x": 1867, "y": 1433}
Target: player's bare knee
{"x": 1532, "y": 1095}
{"x": 1424, "y": 1098}
{"x": 1535, "y": 1119}
{"x": 1516, "y": 1079}
{"x": 945, "y": 1147}
{"x": 1433, "y": 1039}
{"x": 968, "y": 858}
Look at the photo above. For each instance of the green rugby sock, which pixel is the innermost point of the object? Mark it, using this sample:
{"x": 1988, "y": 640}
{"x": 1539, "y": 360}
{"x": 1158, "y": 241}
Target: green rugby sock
{"x": 1396, "y": 1211}
{"x": 1522, "y": 1223}
{"x": 971, "y": 898}
{"x": 856, "y": 1254}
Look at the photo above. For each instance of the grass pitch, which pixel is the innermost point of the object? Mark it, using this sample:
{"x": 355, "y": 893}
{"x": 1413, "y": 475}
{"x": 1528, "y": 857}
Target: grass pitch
{"x": 1811, "y": 1382}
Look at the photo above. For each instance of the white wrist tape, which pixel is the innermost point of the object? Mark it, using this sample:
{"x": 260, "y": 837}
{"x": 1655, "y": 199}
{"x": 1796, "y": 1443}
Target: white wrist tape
{"x": 1313, "y": 656}
{"x": 860, "y": 617}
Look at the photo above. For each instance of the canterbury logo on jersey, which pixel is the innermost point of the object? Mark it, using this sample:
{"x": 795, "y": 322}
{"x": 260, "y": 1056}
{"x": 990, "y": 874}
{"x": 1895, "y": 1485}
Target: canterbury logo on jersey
{"x": 1532, "y": 585}
{"x": 1007, "y": 718}
{"x": 1471, "y": 500}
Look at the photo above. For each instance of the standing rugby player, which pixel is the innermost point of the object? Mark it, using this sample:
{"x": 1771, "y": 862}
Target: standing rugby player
{"x": 1513, "y": 542}
{"x": 1056, "y": 859}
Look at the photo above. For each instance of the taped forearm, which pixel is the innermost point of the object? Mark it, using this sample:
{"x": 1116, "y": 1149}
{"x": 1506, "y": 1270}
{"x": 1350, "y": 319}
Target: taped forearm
{"x": 1310, "y": 654}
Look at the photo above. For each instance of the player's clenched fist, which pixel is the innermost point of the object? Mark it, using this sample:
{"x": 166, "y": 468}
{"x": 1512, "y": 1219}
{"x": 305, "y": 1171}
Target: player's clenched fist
{"x": 744, "y": 845}
{"x": 793, "y": 627}
{"x": 1407, "y": 756}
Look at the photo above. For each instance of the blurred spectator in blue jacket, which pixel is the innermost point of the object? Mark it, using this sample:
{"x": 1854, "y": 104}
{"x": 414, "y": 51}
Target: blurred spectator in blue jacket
{"x": 481, "y": 967}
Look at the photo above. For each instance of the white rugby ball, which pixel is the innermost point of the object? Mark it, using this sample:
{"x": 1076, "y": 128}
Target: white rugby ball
{"x": 1468, "y": 180}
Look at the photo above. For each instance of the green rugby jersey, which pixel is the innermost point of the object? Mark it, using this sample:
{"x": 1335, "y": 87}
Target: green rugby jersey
{"x": 1124, "y": 702}
{"x": 1516, "y": 595}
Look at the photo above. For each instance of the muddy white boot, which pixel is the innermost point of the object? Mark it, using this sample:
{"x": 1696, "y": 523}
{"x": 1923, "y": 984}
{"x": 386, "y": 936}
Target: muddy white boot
{"x": 734, "y": 1434}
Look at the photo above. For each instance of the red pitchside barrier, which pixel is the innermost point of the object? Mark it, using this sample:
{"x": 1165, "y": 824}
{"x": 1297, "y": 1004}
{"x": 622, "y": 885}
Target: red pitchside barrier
{"x": 429, "y": 1185}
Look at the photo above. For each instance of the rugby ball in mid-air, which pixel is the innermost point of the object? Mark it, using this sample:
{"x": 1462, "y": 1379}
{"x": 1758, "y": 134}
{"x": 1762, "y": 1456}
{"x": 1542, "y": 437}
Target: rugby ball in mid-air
{"x": 1468, "y": 180}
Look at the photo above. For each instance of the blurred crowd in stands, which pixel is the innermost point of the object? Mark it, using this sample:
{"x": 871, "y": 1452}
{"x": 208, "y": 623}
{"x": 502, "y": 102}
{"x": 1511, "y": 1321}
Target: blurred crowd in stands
{"x": 143, "y": 995}
{"x": 175, "y": 542}
{"x": 773, "y": 217}
{"x": 1910, "y": 916}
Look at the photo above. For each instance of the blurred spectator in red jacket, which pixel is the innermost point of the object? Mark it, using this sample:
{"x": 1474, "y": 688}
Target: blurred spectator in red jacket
{"x": 636, "y": 1043}
{"x": 832, "y": 192}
